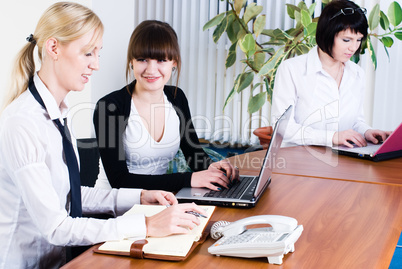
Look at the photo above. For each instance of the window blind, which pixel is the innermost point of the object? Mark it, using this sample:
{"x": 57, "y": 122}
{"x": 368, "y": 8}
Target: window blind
{"x": 207, "y": 83}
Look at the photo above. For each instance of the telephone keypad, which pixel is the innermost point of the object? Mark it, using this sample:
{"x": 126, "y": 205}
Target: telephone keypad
{"x": 252, "y": 237}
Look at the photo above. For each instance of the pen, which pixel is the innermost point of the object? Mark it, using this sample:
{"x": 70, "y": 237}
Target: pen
{"x": 193, "y": 213}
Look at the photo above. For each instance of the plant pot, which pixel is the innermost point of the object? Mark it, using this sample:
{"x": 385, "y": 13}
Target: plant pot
{"x": 264, "y": 134}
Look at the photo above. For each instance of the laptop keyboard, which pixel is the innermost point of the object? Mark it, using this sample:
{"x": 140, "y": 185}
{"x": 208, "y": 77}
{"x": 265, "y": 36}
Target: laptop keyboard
{"x": 234, "y": 191}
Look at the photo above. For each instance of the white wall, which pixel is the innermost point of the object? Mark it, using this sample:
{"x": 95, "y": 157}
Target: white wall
{"x": 18, "y": 20}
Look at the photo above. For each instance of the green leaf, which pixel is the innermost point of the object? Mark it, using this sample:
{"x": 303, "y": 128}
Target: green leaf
{"x": 386, "y": 51}
{"x": 241, "y": 34}
{"x": 270, "y": 51}
{"x": 268, "y": 32}
{"x": 355, "y": 58}
{"x": 395, "y": 13}
{"x": 233, "y": 29}
{"x": 280, "y": 34}
{"x": 245, "y": 80}
{"x": 302, "y": 49}
{"x": 291, "y": 10}
{"x": 311, "y": 29}
{"x": 372, "y": 53}
{"x": 259, "y": 59}
{"x": 270, "y": 64}
{"x": 238, "y": 5}
{"x": 302, "y": 5}
{"x": 247, "y": 43}
{"x": 387, "y": 41}
{"x": 274, "y": 43}
{"x": 259, "y": 25}
{"x": 298, "y": 17}
{"x": 374, "y": 17}
{"x": 220, "y": 29}
{"x": 255, "y": 87}
{"x": 256, "y": 102}
{"x": 305, "y": 18}
{"x": 312, "y": 8}
{"x": 231, "y": 59}
{"x": 398, "y": 35}
{"x": 364, "y": 46}
{"x": 252, "y": 11}
{"x": 269, "y": 90}
{"x": 384, "y": 22}
{"x": 231, "y": 94}
{"x": 284, "y": 56}
{"x": 214, "y": 21}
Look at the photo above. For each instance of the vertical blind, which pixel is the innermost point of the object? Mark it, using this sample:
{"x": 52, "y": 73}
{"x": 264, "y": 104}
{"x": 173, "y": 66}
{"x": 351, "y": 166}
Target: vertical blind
{"x": 207, "y": 83}
{"x": 204, "y": 78}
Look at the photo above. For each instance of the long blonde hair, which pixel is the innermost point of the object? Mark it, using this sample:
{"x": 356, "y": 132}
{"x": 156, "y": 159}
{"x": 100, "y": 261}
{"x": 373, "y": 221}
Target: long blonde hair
{"x": 64, "y": 21}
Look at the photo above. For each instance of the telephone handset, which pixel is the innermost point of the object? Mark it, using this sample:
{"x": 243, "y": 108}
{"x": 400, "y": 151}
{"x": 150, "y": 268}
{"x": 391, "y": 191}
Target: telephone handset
{"x": 271, "y": 242}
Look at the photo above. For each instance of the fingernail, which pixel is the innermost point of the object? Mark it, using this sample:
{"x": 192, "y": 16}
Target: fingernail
{"x": 219, "y": 189}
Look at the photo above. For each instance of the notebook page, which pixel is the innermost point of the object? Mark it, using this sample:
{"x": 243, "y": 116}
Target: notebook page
{"x": 174, "y": 245}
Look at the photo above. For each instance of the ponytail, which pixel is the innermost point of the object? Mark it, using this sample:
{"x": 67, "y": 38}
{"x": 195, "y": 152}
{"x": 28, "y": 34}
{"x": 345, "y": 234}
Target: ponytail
{"x": 64, "y": 21}
{"x": 23, "y": 69}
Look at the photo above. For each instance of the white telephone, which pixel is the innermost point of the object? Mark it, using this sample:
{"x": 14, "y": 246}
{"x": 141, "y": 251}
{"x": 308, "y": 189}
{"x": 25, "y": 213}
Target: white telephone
{"x": 271, "y": 242}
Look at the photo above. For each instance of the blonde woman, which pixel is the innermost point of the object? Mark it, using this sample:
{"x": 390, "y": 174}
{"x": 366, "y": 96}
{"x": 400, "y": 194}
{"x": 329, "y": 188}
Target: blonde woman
{"x": 42, "y": 201}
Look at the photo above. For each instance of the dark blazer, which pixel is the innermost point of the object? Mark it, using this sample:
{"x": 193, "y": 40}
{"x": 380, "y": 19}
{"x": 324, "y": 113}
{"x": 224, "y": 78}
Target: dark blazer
{"x": 110, "y": 120}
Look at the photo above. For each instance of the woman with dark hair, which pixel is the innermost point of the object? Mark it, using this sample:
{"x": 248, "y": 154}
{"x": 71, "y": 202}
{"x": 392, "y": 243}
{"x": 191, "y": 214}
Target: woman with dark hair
{"x": 325, "y": 87}
{"x": 141, "y": 127}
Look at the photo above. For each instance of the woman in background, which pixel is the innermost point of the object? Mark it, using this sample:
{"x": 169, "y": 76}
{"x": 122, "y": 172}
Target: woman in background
{"x": 141, "y": 127}
{"x": 42, "y": 202}
{"x": 325, "y": 87}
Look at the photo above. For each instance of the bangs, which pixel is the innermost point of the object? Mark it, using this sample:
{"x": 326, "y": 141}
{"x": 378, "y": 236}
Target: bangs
{"x": 356, "y": 24}
{"x": 156, "y": 44}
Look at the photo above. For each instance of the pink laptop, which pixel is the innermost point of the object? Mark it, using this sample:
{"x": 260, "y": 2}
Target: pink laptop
{"x": 389, "y": 149}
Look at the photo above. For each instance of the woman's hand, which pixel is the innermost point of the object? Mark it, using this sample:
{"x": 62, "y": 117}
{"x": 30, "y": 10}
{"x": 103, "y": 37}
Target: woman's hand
{"x": 348, "y": 137}
{"x": 221, "y": 173}
{"x": 157, "y": 197}
{"x": 173, "y": 220}
{"x": 375, "y": 136}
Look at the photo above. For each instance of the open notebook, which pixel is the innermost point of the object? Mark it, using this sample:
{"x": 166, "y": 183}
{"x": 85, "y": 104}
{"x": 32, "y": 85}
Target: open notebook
{"x": 390, "y": 148}
{"x": 159, "y": 247}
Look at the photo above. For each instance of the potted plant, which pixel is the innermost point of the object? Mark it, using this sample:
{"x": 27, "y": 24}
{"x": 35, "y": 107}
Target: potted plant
{"x": 261, "y": 60}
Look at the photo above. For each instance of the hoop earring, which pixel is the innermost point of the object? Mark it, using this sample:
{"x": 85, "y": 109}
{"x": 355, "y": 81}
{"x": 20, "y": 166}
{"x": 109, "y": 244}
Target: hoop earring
{"x": 131, "y": 66}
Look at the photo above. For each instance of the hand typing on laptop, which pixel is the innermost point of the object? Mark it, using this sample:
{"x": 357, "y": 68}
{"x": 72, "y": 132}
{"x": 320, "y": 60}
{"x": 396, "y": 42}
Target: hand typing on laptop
{"x": 348, "y": 137}
{"x": 221, "y": 173}
{"x": 351, "y": 138}
{"x": 377, "y": 136}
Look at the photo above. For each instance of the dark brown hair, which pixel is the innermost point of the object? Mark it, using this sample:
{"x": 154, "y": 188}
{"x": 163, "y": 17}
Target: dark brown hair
{"x": 153, "y": 39}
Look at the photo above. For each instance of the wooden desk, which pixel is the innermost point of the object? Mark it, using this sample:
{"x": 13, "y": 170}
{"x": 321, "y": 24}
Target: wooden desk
{"x": 346, "y": 225}
{"x": 321, "y": 162}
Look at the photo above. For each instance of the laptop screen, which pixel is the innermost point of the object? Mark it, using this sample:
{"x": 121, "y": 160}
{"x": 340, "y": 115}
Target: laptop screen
{"x": 274, "y": 146}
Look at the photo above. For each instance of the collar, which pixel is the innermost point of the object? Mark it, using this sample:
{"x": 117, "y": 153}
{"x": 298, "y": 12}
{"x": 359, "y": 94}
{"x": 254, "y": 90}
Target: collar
{"x": 314, "y": 64}
{"x": 54, "y": 111}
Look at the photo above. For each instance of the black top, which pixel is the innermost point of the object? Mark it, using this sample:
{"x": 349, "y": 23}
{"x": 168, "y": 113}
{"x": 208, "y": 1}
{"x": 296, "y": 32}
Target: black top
{"x": 110, "y": 120}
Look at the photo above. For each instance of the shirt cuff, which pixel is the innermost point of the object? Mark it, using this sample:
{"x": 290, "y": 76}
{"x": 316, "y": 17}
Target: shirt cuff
{"x": 330, "y": 136}
{"x": 126, "y": 198}
{"x": 131, "y": 226}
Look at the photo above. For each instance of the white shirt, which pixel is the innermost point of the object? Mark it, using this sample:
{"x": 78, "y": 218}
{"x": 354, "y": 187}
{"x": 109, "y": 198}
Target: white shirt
{"x": 34, "y": 185}
{"x": 320, "y": 108}
{"x": 144, "y": 155}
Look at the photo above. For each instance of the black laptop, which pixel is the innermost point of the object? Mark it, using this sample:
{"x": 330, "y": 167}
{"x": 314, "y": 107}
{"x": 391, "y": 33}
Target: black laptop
{"x": 248, "y": 190}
